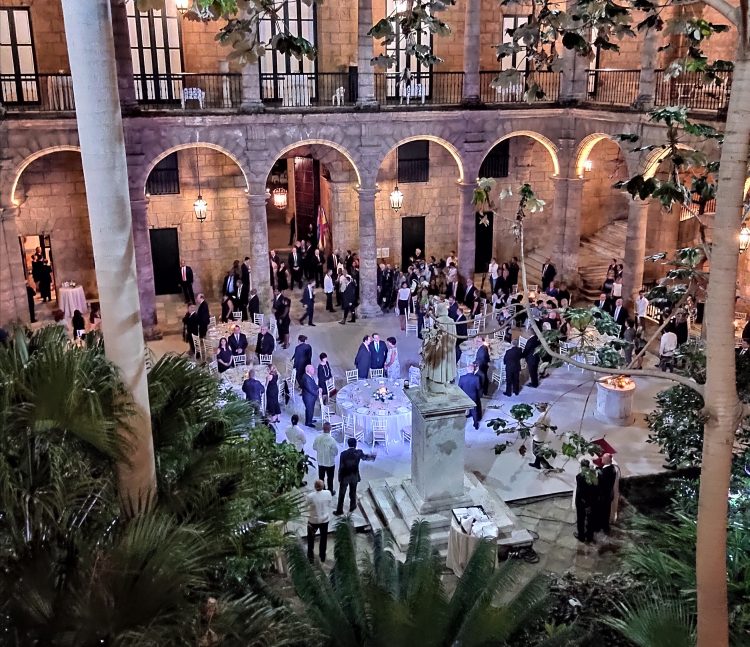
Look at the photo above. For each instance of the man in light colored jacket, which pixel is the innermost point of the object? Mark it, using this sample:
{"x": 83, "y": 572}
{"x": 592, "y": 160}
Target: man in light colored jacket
{"x": 326, "y": 451}
{"x": 319, "y": 509}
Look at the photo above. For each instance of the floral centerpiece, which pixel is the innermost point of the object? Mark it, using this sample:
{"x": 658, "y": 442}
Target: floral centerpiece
{"x": 382, "y": 394}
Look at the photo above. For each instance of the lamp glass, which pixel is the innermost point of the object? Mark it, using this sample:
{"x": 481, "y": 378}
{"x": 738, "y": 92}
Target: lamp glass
{"x": 397, "y": 199}
{"x": 744, "y": 239}
{"x": 279, "y": 197}
{"x": 588, "y": 165}
{"x": 200, "y": 206}
{"x": 182, "y": 5}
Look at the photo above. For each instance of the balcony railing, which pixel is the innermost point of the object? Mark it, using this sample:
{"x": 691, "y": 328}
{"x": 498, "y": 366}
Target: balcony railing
{"x": 37, "y": 92}
{"x": 614, "y": 87}
{"x": 690, "y": 91}
{"x": 548, "y": 81}
{"x": 188, "y": 90}
{"x": 308, "y": 89}
{"x": 434, "y": 88}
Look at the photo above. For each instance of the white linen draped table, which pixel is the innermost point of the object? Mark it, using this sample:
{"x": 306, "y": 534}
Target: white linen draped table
{"x": 72, "y": 299}
{"x": 236, "y": 376}
{"x": 247, "y": 328}
{"x": 497, "y": 352}
{"x": 357, "y": 400}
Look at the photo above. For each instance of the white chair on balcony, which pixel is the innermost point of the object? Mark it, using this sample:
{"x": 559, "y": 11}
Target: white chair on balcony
{"x": 338, "y": 97}
{"x": 193, "y": 94}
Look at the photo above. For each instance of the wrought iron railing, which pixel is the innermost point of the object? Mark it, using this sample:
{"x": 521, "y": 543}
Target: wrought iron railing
{"x": 308, "y": 89}
{"x": 614, "y": 87}
{"x": 189, "y": 91}
{"x": 690, "y": 90}
{"x": 548, "y": 81}
{"x": 37, "y": 92}
{"x": 434, "y": 88}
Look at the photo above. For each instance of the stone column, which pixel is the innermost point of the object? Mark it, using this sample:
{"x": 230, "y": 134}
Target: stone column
{"x": 365, "y": 72}
{"x": 121, "y": 35}
{"x": 145, "y": 267}
{"x": 88, "y": 30}
{"x": 368, "y": 262}
{"x": 259, "y": 260}
{"x": 647, "y": 83}
{"x": 437, "y": 449}
{"x": 472, "y": 27}
{"x": 251, "y": 100}
{"x": 566, "y": 215}
{"x": 13, "y": 303}
{"x": 466, "y": 232}
{"x": 635, "y": 250}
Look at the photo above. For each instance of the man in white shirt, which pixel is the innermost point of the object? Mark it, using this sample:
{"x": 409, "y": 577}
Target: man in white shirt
{"x": 667, "y": 347}
{"x": 294, "y": 434}
{"x": 326, "y": 451}
{"x": 328, "y": 289}
{"x": 319, "y": 509}
{"x": 641, "y": 303}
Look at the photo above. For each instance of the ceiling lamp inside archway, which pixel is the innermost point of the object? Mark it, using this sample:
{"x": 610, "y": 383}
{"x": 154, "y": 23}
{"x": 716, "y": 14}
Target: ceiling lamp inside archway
{"x": 397, "y": 199}
{"x": 279, "y": 198}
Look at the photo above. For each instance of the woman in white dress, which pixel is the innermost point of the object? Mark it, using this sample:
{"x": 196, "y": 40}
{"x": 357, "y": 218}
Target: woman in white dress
{"x": 392, "y": 365}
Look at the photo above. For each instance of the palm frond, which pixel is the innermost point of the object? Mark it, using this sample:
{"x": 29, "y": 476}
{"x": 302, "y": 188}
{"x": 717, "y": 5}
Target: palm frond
{"x": 656, "y": 622}
{"x": 346, "y": 578}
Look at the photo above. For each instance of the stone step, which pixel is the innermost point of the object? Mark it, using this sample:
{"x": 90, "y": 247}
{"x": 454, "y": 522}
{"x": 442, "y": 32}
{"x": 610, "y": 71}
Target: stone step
{"x": 367, "y": 507}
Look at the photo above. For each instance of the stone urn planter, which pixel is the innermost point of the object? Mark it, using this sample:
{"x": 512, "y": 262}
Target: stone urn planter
{"x": 614, "y": 400}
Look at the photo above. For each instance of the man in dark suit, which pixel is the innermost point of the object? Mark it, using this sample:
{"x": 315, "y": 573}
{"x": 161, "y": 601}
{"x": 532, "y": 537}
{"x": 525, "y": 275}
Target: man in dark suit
{"x": 265, "y": 344}
{"x": 349, "y": 299}
{"x": 45, "y": 281}
{"x": 378, "y": 352}
{"x": 585, "y": 501}
{"x": 452, "y": 308}
{"x": 471, "y": 384}
{"x": 349, "y": 474}
{"x": 606, "y": 491}
{"x": 190, "y": 326}
{"x": 295, "y": 266}
{"x": 229, "y": 285}
{"x": 237, "y": 342}
{"x": 532, "y": 359}
{"x": 253, "y": 304}
{"x": 309, "y": 394}
{"x": 482, "y": 361}
{"x": 604, "y": 304}
{"x": 462, "y": 330}
{"x": 204, "y": 317}
{"x": 620, "y": 315}
{"x": 186, "y": 282}
{"x": 512, "y": 361}
{"x": 363, "y": 358}
{"x": 549, "y": 272}
{"x": 471, "y": 296}
{"x": 252, "y": 389}
{"x": 308, "y": 300}
{"x": 302, "y": 357}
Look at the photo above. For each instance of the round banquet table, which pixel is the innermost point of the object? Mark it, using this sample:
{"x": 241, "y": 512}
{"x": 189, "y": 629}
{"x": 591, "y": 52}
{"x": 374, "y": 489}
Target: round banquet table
{"x": 356, "y": 400}
{"x": 247, "y": 328}
{"x": 497, "y": 352}
{"x": 71, "y": 299}
{"x": 235, "y": 377}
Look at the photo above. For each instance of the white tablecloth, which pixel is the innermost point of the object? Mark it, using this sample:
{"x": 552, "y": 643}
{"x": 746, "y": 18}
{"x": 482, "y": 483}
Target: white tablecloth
{"x": 497, "y": 352}
{"x": 72, "y": 299}
{"x": 356, "y": 399}
{"x": 235, "y": 377}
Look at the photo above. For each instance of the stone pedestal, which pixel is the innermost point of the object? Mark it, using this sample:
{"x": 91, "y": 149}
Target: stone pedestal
{"x": 437, "y": 450}
{"x": 615, "y": 405}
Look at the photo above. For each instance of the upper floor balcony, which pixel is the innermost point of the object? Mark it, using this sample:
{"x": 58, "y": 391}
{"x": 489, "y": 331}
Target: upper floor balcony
{"x": 301, "y": 92}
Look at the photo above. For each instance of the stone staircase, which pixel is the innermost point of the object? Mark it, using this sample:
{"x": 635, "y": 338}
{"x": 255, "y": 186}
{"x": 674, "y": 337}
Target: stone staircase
{"x": 596, "y": 253}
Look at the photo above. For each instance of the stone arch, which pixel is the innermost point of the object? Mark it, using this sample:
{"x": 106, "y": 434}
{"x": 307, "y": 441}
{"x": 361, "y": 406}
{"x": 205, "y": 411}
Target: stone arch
{"x": 656, "y": 157}
{"x": 455, "y": 154}
{"x": 544, "y": 141}
{"x": 586, "y": 146}
{"x": 313, "y": 142}
{"x": 33, "y": 157}
{"x": 198, "y": 144}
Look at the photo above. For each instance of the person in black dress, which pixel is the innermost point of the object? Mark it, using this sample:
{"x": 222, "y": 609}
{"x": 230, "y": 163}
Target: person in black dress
{"x": 281, "y": 311}
{"x": 227, "y": 307}
{"x": 282, "y": 282}
{"x": 30, "y": 292}
{"x": 224, "y": 356}
{"x": 273, "y": 408}
{"x": 79, "y": 325}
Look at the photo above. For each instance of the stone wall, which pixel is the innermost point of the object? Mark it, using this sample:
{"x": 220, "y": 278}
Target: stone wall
{"x": 55, "y": 204}
{"x": 211, "y": 246}
{"x": 601, "y": 203}
{"x": 438, "y": 200}
{"x": 337, "y": 36}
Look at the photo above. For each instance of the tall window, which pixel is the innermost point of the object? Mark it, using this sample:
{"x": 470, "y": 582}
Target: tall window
{"x": 299, "y": 20}
{"x": 497, "y": 161}
{"x": 511, "y": 23}
{"x": 414, "y": 162}
{"x": 420, "y": 73}
{"x": 164, "y": 178}
{"x": 156, "y": 51}
{"x": 17, "y": 57}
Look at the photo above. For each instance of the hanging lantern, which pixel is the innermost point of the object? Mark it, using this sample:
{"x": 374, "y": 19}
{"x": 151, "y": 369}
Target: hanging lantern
{"x": 200, "y": 206}
{"x": 588, "y": 165}
{"x": 279, "y": 197}
{"x": 397, "y": 199}
{"x": 744, "y": 239}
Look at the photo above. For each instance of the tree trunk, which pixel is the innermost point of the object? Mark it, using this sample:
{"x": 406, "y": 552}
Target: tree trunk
{"x": 722, "y": 405}
{"x": 88, "y": 29}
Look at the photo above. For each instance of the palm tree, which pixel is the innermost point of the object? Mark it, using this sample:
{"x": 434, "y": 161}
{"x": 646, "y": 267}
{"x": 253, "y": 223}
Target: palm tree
{"x": 387, "y": 602}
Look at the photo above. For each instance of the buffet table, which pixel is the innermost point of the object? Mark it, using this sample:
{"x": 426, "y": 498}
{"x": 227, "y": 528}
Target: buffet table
{"x": 358, "y": 400}
{"x": 71, "y": 299}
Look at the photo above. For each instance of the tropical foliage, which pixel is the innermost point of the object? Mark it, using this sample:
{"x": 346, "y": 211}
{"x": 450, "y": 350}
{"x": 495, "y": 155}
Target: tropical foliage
{"x": 74, "y": 571}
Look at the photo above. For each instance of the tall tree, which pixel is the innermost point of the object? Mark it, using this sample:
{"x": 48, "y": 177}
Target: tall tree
{"x": 88, "y": 31}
